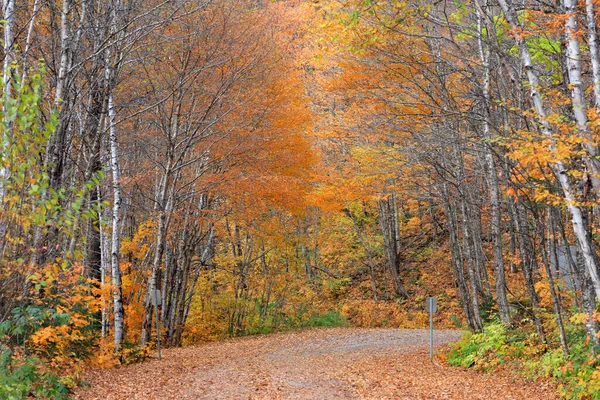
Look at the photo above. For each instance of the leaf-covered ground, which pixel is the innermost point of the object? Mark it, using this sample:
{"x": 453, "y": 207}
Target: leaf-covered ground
{"x": 312, "y": 364}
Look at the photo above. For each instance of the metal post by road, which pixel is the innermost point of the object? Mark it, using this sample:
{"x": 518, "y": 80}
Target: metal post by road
{"x": 431, "y": 335}
{"x": 431, "y": 307}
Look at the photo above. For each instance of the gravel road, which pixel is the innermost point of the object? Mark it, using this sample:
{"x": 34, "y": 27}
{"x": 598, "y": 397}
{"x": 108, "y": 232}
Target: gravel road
{"x": 323, "y": 364}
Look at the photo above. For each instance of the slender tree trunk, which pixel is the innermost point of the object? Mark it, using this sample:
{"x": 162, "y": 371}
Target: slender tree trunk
{"x": 93, "y": 261}
{"x": 457, "y": 260}
{"x": 528, "y": 265}
{"x": 469, "y": 259}
{"x": 307, "y": 264}
{"x": 103, "y": 270}
{"x": 592, "y": 31}
{"x": 158, "y": 256}
{"x": 576, "y": 83}
{"x": 571, "y": 261}
{"x": 36, "y": 6}
{"x": 482, "y": 272}
{"x": 8, "y": 15}
{"x": 117, "y": 290}
{"x": 556, "y": 303}
{"x": 371, "y": 262}
{"x": 388, "y": 218}
{"x": 493, "y": 185}
{"x": 56, "y": 147}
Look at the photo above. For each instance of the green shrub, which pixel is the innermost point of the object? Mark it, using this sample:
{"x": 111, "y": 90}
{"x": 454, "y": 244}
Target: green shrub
{"x": 577, "y": 374}
{"x": 331, "y": 319}
{"x": 455, "y": 321}
{"x": 20, "y": 379}
{"x": 485, "y": 350}
{"x": 464, "y": 352}
{"x": 50, "y": 325}
{"x": 301, "y": 319}
{"x": 336, "y": 287}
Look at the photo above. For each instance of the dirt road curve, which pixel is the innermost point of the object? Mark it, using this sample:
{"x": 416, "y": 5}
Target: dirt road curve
{"x": 314, "y": 364}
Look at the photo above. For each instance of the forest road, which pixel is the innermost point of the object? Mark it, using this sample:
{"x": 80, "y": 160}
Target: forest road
{"x": 337, "y": 363}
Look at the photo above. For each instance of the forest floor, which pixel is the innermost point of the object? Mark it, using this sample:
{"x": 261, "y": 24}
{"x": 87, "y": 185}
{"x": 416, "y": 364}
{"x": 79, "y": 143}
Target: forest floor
{"x": 339, "y": 363}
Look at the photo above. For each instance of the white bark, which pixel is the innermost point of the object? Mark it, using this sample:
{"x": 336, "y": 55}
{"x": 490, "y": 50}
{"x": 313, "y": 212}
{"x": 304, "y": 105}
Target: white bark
{"x": 578, "y": 90}
{"x": 593, "y": 46}
{"x": 115, "y": 238}
{"x": 8, "y": 14}
{"x": 117, "y": 287}
{"x": 64, "y": 50}
{"x": 558, "y": 167}
{"x": 36, "y": 7}
{"x": 103, "y": 271}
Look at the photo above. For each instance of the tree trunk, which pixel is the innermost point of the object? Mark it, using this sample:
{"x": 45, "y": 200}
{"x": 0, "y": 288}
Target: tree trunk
{"x": 493, "y": 185}
{"x": 469, "y": 259}
{"x": 117, "y": 290}
{"x": 388, "y": 220}
{"x": 528, "y": 265}
{"x": 8, "y": 15}
{"x": 158, "y": 256}
{"x": 576, "y": 84}
{"x": 458, "y": 261}
{"x": 592, "y": 31}
{"x": 556, "y": 303}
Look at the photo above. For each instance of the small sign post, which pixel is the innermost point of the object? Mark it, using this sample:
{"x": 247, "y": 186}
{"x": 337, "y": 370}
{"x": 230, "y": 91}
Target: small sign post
{"x": 431, "y": 307}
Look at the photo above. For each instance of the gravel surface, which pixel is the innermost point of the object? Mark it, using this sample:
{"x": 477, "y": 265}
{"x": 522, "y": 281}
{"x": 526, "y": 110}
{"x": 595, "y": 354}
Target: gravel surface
{"x": 343, "y": 363}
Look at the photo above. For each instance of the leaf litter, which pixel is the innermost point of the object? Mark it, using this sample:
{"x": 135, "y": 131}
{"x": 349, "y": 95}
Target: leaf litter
{"x": 338, "y": 363}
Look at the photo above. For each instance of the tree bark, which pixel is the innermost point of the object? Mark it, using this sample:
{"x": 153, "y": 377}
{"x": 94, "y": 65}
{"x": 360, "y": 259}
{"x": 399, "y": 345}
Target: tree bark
{"x": 592, "y": 31}
{"x": 458, "y": 261}
{"x": 576, "y": 83}
{"x": 468, "y": 251}
{"x": 158, "y": 256}
{"x": 528, "y": 265}
{"x": 388, "y": 222}
{"x": 8, "y": 15}
{"x": 117, "y": 290}
{"x": 556, "y": 303}
{"x": 493, "y": 185}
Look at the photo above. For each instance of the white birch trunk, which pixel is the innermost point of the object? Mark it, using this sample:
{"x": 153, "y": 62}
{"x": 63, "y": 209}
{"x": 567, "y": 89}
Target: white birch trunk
{"x": 103, "y": 271}
{"x": 115, "y": 238}
{"x": 64, "y": 50}
{"x": 578, "y": 90}
{"x": 36, "y": 7}
{"x": 117, "y": 287}
{"x": 558, "y": 167}
{"x": 8, "y": 14}
{"x": 593, "y": 46}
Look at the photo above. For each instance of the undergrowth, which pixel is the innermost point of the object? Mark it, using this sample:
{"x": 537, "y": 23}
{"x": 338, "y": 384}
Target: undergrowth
{"x": 329, "y": 319}
{"x": 577, "y": 374}
{"x": 20, "y": 378}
